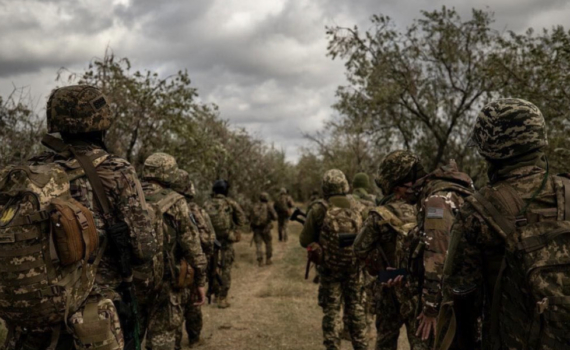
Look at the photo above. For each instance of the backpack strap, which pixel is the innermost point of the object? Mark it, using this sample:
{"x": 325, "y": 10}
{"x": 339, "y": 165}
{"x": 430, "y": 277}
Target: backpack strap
{"x": 167, "y": 201}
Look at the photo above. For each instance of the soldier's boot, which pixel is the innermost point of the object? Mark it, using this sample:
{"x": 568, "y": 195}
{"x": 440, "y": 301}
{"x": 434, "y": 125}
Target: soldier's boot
{"x": 345, "y": 334}
{"x": 223, "y": 303}
{"x": 260, "y": 262}
{"x": 268, "y": 261}
{"x": 317, "y": 279}
{"x": 194, "y": 342}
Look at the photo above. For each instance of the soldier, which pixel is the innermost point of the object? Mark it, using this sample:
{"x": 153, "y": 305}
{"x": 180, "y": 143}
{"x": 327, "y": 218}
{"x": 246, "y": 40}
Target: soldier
{"x": 341, "y": 274}
{"x": 315, "y": 195}
{"x": 261, "y": 216}
{"x": 360, "y": 186}
{"x": 283, "y": 206}
{"x": 439, "y": 196}
{"x": 81, "y": 114}
{"x": 227, "y": 218}
{"x": 383, "y": 243}
{"x": 184, "y": 261}
{"x": 510, "y": 240}
{"x": 193, "y": 313}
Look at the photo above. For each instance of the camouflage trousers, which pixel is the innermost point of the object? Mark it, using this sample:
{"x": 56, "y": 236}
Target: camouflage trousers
{"x": 166, "y": 319}
{"x": 227, "y": 257}
{"x": 334, "y": 290}
{"x": 262, "y": 236}
{"x": 193, "y": 318}
{"x": 80, "y": 335}
{"x": 283, "y": 222}
{"x": 395, "y": 308}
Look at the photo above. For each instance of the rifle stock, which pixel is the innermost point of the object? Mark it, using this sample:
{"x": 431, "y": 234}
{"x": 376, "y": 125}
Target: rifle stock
{"x": 298, "y": 215}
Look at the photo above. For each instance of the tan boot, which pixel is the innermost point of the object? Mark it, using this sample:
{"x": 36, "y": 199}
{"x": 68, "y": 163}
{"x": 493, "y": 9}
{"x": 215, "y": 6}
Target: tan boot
{"x": 268, "y": 261}
{"x": 223, "y": 303}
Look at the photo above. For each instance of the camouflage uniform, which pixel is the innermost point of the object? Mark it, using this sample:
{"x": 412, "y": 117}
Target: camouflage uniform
{"x": 283, "y": 212}
{"x": 337, "y": 285}
{"x": 360, "y": 186}
{"x": 262, "y": 233}
{"x": 124, "y": 193}
{"x": 193, "y": 313}
{"x": 510, "y": 135}
{"x": 227, "y": 240}
{"x": 182, "y": 238}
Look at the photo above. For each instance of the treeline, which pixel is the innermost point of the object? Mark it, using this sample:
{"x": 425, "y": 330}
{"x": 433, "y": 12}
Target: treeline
{"x": 421, "y": 87}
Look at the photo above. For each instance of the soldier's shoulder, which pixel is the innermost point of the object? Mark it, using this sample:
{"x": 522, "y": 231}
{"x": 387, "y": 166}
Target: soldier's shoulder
{"x": 117, "y": 163}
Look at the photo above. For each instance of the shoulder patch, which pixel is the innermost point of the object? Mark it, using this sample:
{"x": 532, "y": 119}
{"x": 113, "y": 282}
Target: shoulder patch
{"x": 434, "y": 213}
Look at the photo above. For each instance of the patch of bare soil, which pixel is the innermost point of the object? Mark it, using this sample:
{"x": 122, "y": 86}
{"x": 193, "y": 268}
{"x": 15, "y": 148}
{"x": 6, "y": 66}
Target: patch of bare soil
{"x": 272, "y": 307}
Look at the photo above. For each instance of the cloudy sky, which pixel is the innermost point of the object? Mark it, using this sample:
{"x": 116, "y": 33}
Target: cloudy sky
{"x": 262, "y": 61}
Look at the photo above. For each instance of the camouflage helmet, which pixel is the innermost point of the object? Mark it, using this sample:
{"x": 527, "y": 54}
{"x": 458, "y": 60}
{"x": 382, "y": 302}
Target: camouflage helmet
{"x": 508, "y": 127}
{"x": 264, "y": 197}
{"x": 183, "y": 184}
{"x": 161, "y": 167}
{"x": 361, "y": 180}
{"x": 78, "y": 109}
{"x": 282, "y": 190}
{"x": 397, "y": 168}
{"x": 334, "y": 182}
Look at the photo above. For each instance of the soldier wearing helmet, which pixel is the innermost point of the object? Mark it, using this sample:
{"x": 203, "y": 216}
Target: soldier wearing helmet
{"x": 228, "y": 219}
{"x": 341, "y": 278}
{"x": 193, "y": 313}
{"x": 381, "y": 245}
{"x": 81, "y": 115}
{"x": 283, "y": 206}
{"x": 360, "y": 188}
{"x": 261, "y": 217}
{"x": 502, "y": 239}
{"x": 181, "y": 250}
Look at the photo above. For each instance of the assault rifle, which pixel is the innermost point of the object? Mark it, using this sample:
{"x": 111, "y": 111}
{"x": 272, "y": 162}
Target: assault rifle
{"x": 299, "y": 216}
{"x": 213, "y": 276}
{"x": 346, "y": 239}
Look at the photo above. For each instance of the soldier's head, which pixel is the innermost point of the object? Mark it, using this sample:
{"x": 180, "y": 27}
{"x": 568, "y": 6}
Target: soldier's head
{"x": 78, "y": 110}
{"x": 508, "y": 128}
{"x": 264, "y": 197}
{"x": 361, "y": 180}
{"x": 221, "y": 187}
{"x": 398, "y": 171}
{"x": 184, "y": 185}
{"x": 334, "y": 183}
{"x": 162, "y": 168}
{"x": 282, "y": 190}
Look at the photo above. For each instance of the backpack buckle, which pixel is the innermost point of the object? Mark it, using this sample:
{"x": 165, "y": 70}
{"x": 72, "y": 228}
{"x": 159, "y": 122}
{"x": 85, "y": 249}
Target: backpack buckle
{"x": 542, "y": 306}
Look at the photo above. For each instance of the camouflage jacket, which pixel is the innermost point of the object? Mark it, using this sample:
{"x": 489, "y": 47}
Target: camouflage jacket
{"x": 287, "y": 200}
{"x": 202, "y": 220}
{"x": 364, "y": 197}
{"x": 270, "y": 214}
{"x": 441, "y": 198}
{"x": 187, "y": 234}
{"x": 127, "y": 199}
{"x": 476, "y": 249}
{"x": 238, "y": 216}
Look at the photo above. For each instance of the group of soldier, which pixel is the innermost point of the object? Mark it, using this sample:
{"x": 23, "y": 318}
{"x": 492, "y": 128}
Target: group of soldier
{"x": 93, "y": 258}
{"x": 460, "y": 268}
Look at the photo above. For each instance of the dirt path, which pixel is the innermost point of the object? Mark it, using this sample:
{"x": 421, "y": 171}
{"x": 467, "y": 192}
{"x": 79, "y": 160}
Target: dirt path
{"x": 272, "y": 307}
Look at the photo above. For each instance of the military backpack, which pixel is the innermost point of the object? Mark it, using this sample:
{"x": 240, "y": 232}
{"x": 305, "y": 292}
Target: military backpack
{"x": 531, "y": 297}
{"x": 260, "y": 215}
{"x": 220, "y": 212}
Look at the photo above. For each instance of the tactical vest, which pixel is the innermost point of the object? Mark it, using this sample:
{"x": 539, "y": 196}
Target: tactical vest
{"x": 338, "y": 220}
{"x": 531, "y": 299}
{"x": 220, "y": 212}
{"x": 49, "y": 245}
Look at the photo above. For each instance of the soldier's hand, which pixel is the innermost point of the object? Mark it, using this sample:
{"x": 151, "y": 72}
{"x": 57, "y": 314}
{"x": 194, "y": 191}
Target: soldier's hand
{"x": 201, "y": 296}
{"x": 426, "y": 326}
{"x": 394, "y": 282}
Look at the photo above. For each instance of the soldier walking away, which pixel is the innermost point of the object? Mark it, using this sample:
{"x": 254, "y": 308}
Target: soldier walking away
{"x": 384, "y": 245}
{"x": 341, "y": 274}
{"x": 184, "y": 261}
{"x": 261, "y": 217}
{"x": 511, "y": 240}
{"x": 192, "y": 312}
{"x": 283, "y": 206}
{"x": 83, "y": 195}
{"x": 227, "y": 218}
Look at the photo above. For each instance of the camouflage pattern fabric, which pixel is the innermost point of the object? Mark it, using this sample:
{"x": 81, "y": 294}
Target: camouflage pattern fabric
{"x": 442, "y": 195}
{"x": 386, "y": 229}
{"x": 476, "y": 234}
{"x": 335, "y": 289}
{"x": 262, "y": 234}
{"x": 192, "y": 317}
{"x": 283, "y": 206}
{"x": 509, "y": 127}
{"x": 161, "y": 167}
{"x": 398, "y": 168}
{"x": 166, "y": 321}
{"x": 227, "y": 258}
{"x": 78, "y": 109}
{"x": 82, "y": 322}
{"x": 334, "y": 183}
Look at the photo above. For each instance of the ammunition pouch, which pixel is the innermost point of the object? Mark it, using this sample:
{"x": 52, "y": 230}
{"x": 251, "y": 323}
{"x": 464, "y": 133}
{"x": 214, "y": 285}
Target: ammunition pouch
{"x": 96, "y": 330}
{"x": 185, "y": 276}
